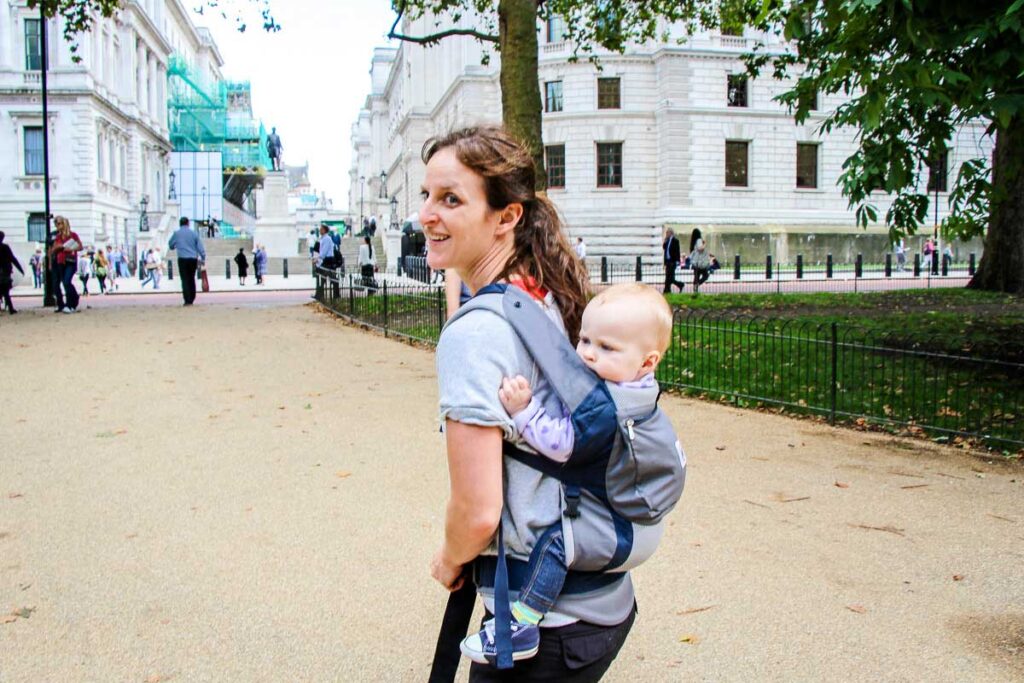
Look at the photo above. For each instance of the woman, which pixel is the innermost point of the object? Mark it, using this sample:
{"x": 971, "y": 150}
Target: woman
{"x": 259, "y": 262}
{"x": 700, "y": 260}
{"x": 101, "y": 267}
{"x": 243, "y": 266}
{"x": 63, "y": 255}
{"x": 486, "y": 223}
{"x": 366, "y": 265}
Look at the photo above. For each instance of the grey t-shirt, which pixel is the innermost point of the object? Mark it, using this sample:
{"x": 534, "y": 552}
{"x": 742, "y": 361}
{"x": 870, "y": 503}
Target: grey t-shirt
{"x": 473, "y": 355}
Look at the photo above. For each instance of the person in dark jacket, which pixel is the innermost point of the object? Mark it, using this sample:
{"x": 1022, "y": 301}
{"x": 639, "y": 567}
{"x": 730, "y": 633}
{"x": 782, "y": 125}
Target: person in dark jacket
{"x": 670, "y": 255}
{"x": 243, "y": 266}
{"x": 8, "y": 262}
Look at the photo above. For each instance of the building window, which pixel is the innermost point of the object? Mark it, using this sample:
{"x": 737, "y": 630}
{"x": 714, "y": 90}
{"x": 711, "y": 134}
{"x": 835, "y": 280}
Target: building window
{"x": 814, "y": 101}
{"x": 609, "y": 164}
{"x": 36, "y": 227}
{"x": 555, "y": 156}
{"x": 938, "y": 172}
{"x": 555, "y": 29}
{"x": 737, "y": 96}
{"x": 806, "y": 165}
{"x": 553, "y": 96}
{"x": 736, "y": 162}
{"x": 33, "y": 46}
{"x": 33, "y": 150}
{"x": 608, "y": 93}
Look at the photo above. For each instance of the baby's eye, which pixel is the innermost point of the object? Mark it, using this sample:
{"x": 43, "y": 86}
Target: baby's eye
{"x": 424, "y": 194}
{"x": 605, "y": 347}
{"x": 584, "y": 340}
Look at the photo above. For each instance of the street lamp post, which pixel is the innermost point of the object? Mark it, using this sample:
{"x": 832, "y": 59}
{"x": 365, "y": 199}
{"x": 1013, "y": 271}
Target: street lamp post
{"x": 204, "y": 202}
{"x": 172, "y": 194}
{"x": 48, "y": 296}
{"x": 394, "y": 213}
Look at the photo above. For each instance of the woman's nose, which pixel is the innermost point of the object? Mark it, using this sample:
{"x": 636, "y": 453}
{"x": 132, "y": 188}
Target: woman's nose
{"x": 426, "y": 213}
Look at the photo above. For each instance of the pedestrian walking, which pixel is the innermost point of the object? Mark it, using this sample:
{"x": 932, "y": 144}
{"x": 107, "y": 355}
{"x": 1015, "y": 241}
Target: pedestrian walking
{"x": 36, "y": 263}
{"x": 191, "y": 255}
{"x": 366, "y": 263}
{"x": 243, "y": 266}
{"x": 101, "y": 269}
{"x": 700, "y": 260}
{"x": 148, "y": 268}
{"x": 580, "y": 249}
{"x": 8, "y": 262}
{"x": 901, "y": 256}
{"x": 63, "y": 256}
{"x": 84, "y": 271}
{"x": 670, "y": 255}
{"x": 499, "y": 213}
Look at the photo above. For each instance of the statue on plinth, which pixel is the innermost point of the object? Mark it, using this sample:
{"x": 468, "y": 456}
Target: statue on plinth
{"x": 274, "y": 148}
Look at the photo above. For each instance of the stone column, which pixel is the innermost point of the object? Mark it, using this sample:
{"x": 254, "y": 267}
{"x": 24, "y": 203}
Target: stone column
{"x": 6, "y": 35}
{"x": 140, "y": 76}
{"x": 151, "y": 88}
{"x": 161, "y": 94}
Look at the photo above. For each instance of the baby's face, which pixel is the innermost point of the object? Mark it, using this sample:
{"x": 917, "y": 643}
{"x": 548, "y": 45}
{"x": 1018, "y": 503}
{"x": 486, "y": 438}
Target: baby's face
{"x": 613, "y": 342}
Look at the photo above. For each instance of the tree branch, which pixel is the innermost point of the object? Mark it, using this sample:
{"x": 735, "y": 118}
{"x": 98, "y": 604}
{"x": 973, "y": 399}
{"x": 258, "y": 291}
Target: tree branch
{"x": 436, "y": 37}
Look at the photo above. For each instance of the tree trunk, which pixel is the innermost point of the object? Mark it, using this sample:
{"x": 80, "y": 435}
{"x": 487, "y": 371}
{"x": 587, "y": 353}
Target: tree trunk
{"x": 520, "y": 88}
{"x": 1001, "y": 268}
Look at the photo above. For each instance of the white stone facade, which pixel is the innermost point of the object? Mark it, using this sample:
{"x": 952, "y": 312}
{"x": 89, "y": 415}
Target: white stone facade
{"x": 673, "y": 123}
{"x": 108, "y": 129}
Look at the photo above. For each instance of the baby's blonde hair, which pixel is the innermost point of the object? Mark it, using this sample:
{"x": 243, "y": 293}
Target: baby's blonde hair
{"x": 647, "y": 300}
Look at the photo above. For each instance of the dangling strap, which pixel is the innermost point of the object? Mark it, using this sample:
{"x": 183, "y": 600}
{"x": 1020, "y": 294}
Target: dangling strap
{"x": 453, "y": 629}
{"x": 502, "y": 610}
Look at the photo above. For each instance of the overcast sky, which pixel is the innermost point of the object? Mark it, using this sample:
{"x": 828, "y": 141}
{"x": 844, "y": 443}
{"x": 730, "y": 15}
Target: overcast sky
{"x": 310, "y": 78}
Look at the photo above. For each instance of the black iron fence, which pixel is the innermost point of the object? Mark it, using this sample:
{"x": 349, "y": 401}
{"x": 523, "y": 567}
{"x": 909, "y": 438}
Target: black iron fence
{"x": 840, "y": 372}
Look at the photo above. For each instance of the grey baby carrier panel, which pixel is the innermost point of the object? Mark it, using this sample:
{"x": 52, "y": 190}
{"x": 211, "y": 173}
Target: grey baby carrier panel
{"x": 626, "y": 471}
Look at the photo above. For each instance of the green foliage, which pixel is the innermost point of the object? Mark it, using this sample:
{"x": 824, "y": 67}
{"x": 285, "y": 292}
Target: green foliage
{"x": 914, "y": 73}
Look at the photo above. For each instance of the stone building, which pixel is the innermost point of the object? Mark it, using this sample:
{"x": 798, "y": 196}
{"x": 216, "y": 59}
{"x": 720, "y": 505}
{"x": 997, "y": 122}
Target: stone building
{"x": 108, "y": 124}
{"x": 665, "y": 135}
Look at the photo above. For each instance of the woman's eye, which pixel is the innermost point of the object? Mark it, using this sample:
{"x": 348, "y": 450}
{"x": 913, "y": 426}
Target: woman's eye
{"x": 451, "y": 200}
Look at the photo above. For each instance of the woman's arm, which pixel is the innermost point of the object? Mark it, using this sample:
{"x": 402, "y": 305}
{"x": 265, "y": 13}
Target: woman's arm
{"x": 475, "y": 498}
{"x": 452, "y": 291}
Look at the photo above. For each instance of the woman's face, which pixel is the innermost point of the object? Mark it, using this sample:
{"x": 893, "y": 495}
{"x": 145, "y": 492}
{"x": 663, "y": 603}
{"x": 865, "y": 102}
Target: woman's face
{"x": 459, "y": 224}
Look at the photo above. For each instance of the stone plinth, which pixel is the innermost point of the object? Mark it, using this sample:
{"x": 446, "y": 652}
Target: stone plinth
{"x": 275, "y": 229}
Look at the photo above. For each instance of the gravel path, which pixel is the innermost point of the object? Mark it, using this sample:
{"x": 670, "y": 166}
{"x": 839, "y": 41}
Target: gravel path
{"x": 251, "y": 492}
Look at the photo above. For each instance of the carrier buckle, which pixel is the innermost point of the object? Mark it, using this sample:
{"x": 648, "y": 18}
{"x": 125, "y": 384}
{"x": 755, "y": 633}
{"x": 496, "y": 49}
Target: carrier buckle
{"x": 572, "y": 502}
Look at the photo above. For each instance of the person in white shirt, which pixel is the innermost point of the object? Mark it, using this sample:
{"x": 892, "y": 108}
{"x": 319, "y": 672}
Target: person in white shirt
{"x": 366, "y": 264}
{"x": 580, "y": 249}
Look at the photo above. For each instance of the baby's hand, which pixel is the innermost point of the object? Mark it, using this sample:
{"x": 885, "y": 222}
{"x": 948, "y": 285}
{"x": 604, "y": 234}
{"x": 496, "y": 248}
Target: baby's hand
{"x": 515, "y": 394}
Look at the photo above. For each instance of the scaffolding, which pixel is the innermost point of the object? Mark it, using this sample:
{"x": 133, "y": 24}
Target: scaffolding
{"x": 208, "y": 115}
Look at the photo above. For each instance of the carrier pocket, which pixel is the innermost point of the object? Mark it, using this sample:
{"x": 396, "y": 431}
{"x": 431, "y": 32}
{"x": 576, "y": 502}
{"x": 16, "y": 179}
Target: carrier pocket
{"x": 646, "y": 471}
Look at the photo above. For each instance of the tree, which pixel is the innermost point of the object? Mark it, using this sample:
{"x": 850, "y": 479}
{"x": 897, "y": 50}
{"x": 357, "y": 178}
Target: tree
{"x": 511, "y": 27}
{"x": 914, "y": 72}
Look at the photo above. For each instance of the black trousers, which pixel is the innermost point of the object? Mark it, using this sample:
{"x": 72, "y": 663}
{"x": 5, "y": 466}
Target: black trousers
{"x": 670, "y": 276}
{"x": 187, "y": 270}
{"x": 577, "y": 653}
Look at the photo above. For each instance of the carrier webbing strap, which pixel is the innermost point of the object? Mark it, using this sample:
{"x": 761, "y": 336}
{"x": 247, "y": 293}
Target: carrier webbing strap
{"x": 454, "y": 626}
{"x": 502, "y": 610}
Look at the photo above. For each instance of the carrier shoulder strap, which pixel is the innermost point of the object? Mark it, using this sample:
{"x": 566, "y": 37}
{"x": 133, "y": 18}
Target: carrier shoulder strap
{"x": 567, "y": 374}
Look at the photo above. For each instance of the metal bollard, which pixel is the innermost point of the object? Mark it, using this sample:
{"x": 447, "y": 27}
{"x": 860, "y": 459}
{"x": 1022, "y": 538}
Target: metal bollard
{"x": 227, "y": 268}
{"x": 639, "y": 270}
{"x": 284, "y": 266}
{"x": 768, "y": 267}
{"x": 799, "y": 266}
{"x": 170, "y": 269}
{"x": 945, "y": 267}
{"x": 917, "y": 265}
{"x": 736, "y": 268}
{"x": 604, "y": 269}
{"x": 970, "y": 264}
{"x": 858, "y": 266}
{"x": 935, "y": 262}
{"x": 888, "y": 265}
{"x": 828, "y": 266}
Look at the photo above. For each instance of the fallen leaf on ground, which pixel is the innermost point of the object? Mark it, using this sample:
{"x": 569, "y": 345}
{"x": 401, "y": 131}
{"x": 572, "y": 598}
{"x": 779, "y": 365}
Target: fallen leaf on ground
{"x": 958, "y": 577}
{"x": 859, "y": 609}
{"x": 842, "y": 485}
{"x": 341, "y": 474}
{"x": 15, "y": 495}
{"x": 689, "y": 638}
{"x": 695, "y": 610}
{"x": 719, "y": 448}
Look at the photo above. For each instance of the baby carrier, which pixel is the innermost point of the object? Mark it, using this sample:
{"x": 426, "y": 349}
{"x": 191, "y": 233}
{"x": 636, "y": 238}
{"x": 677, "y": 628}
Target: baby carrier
{"x": 626, "y": 471}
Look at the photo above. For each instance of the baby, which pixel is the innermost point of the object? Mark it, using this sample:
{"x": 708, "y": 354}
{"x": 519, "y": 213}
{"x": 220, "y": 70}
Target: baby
{"x": 625, "y": 331}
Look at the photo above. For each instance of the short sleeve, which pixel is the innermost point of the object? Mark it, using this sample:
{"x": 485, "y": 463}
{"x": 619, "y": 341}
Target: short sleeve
{"x": 475, "y": 352}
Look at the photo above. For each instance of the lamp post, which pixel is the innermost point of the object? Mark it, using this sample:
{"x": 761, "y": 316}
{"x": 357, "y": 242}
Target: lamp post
{"x": 48, "y": 295}
{"x": 172, "y": 194}
{"x": 362, "y": 185}
{"x": 394, "y": 213}
{"x": 143, "y": 216}
{"x": 203, "y": 213}
{"x": 383, "y": 193}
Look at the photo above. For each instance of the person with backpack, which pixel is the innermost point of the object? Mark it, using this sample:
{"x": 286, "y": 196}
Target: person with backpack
{"x": 486, "y": 223}
{"x": 700, "y": 260}
{"x": 623, "y": 336}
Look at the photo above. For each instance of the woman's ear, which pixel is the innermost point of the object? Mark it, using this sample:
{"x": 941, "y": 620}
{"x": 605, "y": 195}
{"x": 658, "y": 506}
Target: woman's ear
{"x": 509, "y": 218}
